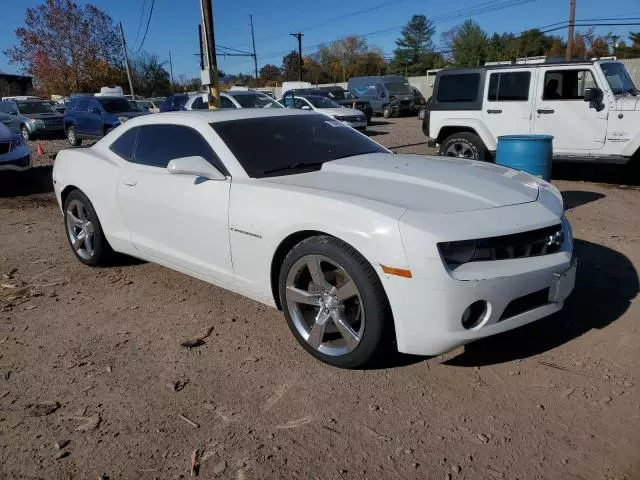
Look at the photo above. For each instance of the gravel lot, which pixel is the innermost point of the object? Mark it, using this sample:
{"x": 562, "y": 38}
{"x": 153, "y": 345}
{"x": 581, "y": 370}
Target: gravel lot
{"x": 557, "y": 399}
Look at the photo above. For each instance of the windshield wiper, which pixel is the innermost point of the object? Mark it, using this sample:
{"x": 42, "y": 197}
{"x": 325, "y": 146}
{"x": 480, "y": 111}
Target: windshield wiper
{"x": 294, "y": 166}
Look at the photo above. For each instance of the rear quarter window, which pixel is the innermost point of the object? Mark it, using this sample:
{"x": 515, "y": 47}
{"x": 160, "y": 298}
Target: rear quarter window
{"x": 458, "y": 88}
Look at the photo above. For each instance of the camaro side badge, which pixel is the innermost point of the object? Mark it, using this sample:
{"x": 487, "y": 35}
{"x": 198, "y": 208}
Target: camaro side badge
{"x": 233, "y": 229}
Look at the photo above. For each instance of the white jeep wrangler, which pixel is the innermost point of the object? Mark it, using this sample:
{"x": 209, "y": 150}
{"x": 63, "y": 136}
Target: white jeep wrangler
{"x": 592, "y": 109}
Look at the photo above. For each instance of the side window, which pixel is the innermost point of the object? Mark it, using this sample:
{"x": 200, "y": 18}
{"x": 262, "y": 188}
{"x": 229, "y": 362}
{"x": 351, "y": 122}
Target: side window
{"x": 198, "y": 104}
{"x": 380, "y": 91}
{"x": 509, "y": 87}
{"x": 300, "y": 102}
{"x": 82, "y": 105}
{"x": 458, "y": 87}
{"x": 125, "y": 144}
{"x": 2, "y": 107}
{"x": 226, "y": 103}
{"x": 567, "y": 84}
{"x": 159, "y": 144}
{"x": 94, "y": 107}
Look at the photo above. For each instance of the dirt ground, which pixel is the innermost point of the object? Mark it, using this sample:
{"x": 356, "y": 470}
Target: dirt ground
{"x": 557, "y": 399}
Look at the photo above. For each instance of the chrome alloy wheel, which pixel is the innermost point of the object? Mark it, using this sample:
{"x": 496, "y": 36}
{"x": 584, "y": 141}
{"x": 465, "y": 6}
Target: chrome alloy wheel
{"x": 325, "y": 305}
{"x": 460, "y": 150}
{"x": 80, "y": 229}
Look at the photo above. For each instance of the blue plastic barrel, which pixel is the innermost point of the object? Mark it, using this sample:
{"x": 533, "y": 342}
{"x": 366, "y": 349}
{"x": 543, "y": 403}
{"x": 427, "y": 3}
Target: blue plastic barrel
{"x": 529, "y": 153}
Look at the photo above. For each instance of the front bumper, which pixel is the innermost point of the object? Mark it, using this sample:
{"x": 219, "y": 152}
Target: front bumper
{"x": 428, "y": 313}
{"x": 17, "y": 160}
{"x": 428, "y": 308}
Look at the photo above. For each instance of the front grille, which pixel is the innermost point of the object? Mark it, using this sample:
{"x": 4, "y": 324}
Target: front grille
{"x": 5, "y": 147}
{"x": 526, "y": 303}
{"x": 53, "y": 121}
{"x": 352, "y": 119}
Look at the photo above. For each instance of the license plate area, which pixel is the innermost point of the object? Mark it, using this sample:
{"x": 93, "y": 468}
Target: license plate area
{"x": 562, "y": 283}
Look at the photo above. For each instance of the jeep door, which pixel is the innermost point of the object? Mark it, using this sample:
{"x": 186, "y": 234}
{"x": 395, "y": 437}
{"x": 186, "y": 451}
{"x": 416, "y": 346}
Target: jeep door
{"x": 577, "y": 126}
{"x": 508, "y": 101}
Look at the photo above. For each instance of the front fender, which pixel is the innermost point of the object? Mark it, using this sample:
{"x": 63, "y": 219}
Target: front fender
{"x": 632, "y": 147}
{"x": 261, "y": 217}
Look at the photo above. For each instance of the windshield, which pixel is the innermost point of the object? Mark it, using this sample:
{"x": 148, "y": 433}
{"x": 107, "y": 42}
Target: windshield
{"x": 113, "y": 105}
{"x": 28, "y": 108}
{"x": 254, "y": 100}
{"x": 618, "y": 77}
{"x": 282, "y": 142}
{"x": 398, "y": 88}
{"x": 322, "y": 102}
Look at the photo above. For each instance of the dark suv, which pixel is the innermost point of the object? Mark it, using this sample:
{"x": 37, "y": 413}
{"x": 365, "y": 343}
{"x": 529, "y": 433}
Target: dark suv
{"x": 32, "y": 117}
{"x": 89, "y": 117}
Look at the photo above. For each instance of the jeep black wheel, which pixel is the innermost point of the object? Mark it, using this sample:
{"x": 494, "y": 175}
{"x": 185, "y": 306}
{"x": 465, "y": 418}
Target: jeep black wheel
{"x": 464, "y": 145}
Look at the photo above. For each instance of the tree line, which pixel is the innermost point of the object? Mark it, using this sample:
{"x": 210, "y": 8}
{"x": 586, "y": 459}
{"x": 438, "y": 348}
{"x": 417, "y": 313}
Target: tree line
{"x": 69, "y": 48}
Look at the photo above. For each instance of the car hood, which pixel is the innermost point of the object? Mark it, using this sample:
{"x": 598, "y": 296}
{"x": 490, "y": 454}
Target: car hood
{"x": 421, "y": 183}
{"x": 43, "y": 116}
{"x": 339, "y": 112}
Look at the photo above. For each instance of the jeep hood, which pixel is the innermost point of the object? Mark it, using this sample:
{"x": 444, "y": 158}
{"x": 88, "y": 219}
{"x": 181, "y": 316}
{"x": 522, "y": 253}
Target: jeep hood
{"x": 420, "y": 183}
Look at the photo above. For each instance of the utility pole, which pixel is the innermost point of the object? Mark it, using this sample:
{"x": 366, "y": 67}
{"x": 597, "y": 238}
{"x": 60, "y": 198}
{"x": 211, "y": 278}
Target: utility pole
{"x": 171, "y": 69}
{"x": 299, "y": 37}
{"x": 126, "y": 61}
{"x": 572, "y": 21}
{"x": 201, "y": 47}
{"x": 255, "y": 57}
{"x": 210, "y": 74}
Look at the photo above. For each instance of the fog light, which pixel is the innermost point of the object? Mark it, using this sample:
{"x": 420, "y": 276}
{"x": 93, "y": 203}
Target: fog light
{"x": 474, "y": 314}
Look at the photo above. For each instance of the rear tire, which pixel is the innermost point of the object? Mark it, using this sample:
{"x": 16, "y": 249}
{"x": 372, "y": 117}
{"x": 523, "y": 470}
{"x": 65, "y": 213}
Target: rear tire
{"x": 464, "y": 145}
{"x": 72, "y": 137}
{"x": 323, "y": 279}
{"x": 84, "y": 231}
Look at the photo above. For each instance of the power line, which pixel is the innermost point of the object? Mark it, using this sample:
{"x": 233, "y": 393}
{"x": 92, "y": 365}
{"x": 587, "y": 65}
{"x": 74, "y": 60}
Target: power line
{"x": 478, "y": 9}
{"x": 144, "y": 4}
{"x": 146, "y": 30}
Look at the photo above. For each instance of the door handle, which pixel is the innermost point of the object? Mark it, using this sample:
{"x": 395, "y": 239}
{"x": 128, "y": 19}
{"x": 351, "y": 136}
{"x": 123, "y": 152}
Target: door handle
{"x": 130, "y": 182}
{"x": 545, "y": 111}
{"x": 494, "y": 111}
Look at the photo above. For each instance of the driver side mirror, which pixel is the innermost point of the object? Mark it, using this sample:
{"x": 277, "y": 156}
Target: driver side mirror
{"x": 195, "y": 165}
{"x": 593, "y": 95}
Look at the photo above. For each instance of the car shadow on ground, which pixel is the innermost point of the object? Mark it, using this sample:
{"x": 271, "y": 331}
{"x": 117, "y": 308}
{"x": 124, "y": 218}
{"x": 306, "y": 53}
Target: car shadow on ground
{"x": 595, "y": 172}
{"x": 408, "y": 145}
{"x": 373, "y": 133}
{"x": 577, "y": 198}
{"x": 28, "y": 182}
{"x": 606, "y": 284}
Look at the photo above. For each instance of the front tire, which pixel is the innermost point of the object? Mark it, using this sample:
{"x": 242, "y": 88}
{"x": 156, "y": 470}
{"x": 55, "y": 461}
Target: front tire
{"x": 386, "y": 113}
{"x": 464, "y": 145}
{"x": 72, "y": 137}
{"x": 26, "y": 134}
{"x": 333, "y": 301}
{"x": 84, "y": 232}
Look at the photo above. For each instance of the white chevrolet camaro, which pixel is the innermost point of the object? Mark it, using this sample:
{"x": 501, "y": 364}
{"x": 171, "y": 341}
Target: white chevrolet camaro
{"x": 356, "y": 245}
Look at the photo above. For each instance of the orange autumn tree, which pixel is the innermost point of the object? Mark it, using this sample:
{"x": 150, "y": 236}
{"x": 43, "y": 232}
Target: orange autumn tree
{"x": 68, "y": 48}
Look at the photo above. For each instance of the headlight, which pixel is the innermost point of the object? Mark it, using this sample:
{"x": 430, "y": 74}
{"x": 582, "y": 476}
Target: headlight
{"x": 122, "y": 119}
{"x": 16, "y": 142}
{"x": 458, "y": 252}
{"x": 35, "y": 121}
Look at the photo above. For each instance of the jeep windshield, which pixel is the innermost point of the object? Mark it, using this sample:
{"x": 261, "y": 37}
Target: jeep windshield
{"x": 619, "y": 79}
{"x": 399, "y": 88}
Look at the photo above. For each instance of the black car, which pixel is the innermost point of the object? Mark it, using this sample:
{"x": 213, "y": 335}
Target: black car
{"x": 343, "y": 97}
